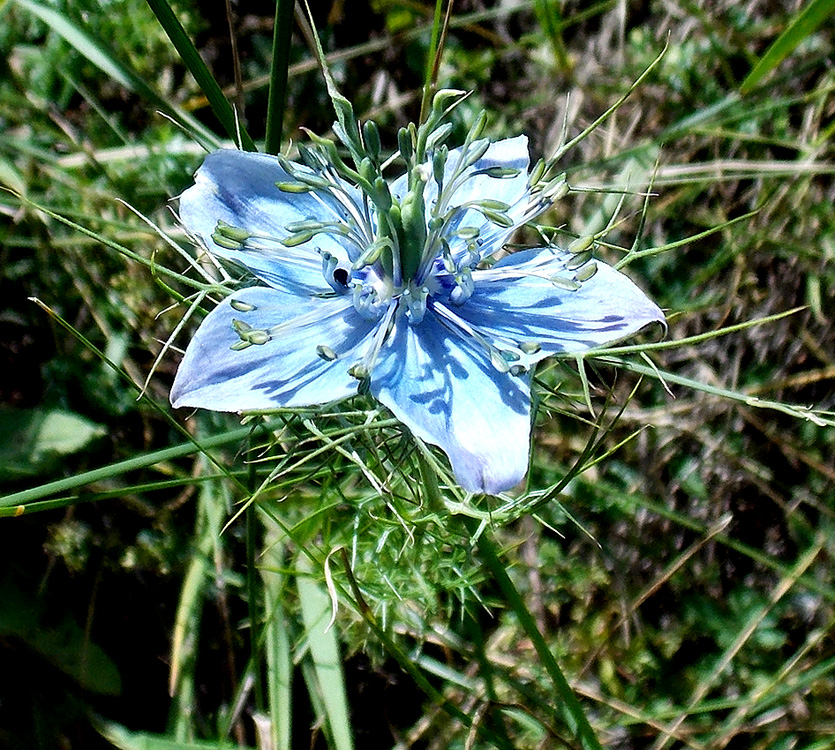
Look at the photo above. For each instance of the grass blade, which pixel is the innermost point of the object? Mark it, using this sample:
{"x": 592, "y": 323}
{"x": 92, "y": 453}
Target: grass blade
{"x": 208, "y": 85}
{"x": 278, "y": 74}
{"x": 801, "y": 26}
{"x": 324, "y": 650}
{"x": 104, "y": 61}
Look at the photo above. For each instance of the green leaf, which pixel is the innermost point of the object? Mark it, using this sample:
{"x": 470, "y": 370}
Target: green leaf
{"x": 59, "y": 640}
{"x": 127, "y": 740}
{"x": 33, "y": 439}
{"x": 802, "y": 25}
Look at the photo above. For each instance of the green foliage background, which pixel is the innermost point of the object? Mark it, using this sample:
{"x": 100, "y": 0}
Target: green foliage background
{"x": 684, "y": 581}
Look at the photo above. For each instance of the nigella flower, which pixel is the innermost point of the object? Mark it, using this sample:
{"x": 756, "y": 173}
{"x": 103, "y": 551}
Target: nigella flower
{"x": 391, "y": 286}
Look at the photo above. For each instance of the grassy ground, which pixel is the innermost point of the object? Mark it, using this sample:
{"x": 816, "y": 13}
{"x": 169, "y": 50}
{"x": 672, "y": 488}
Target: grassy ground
{"x": 683, "y": 580}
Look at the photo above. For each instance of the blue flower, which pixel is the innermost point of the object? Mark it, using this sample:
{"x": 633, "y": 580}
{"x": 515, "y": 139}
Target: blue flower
{"x": 393, "y": 286}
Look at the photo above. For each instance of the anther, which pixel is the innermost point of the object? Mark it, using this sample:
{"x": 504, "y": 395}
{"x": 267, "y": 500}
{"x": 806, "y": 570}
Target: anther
{"x": 326, "y": 353}
{"x": 586, "y": 272}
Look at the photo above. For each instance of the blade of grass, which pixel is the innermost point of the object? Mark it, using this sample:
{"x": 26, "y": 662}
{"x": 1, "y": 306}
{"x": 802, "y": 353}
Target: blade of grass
{"x": 753, "y": 622}
{"x": 279, "y": 66}
{"x": 208, "y": 85}
{"x": 93, "y": 50}
{"x": 124, "y": 739}
{"x": 633, "y": 500}
{"x": 186, "y": 636}
{"x": 277, "y": 639}
{"x": 433, "y": 57}
{"x": 324, "y": 650}
{"x": 801, "y": 26}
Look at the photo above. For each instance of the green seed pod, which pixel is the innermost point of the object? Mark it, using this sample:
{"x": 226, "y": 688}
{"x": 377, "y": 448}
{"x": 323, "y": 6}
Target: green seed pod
{"x": 308, "y": 157}
{"x": 442, "y": 98}
{"x": 382, "y": 194}
{"x": 257, "y": 336}
{"x": 468, "y": 233}
{"x": 438, "y": 136}
{"x": 530, "y": 347}
{"x": 308, "y": 226}
{"x": 502, "y": 173}
{"x": 367, "y": 170}
{"x": 224, "y": 242}
{"x": 478, "y": 127}
{"x": 502, "y": 219}
{"x": 359, "y": 371}
{"x": 298, "y": 238}
{"x": 493, "y": 205}
{"x": 405, "y": 145}
{"x": 556, "y": 189}
{"x": 371, "y": 133}
{"x": 537, "y": 173}
{"x": 232, "y": 232}
{"x": 314, "y": 181}
{"x": 498, "y": 361}
{"x": 563, "y": 283}
{"x": 476, "y": 151}
{"x": 438, "y": 163}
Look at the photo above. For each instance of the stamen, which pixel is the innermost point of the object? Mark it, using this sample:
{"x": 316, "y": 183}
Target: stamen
{"x": 326, "y": 353}
{"x": 500, "y": 358}
{"x": 363, "y": 369}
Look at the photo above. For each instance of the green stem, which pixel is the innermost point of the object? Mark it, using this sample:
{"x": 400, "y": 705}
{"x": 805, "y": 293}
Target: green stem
{"x": 571, "y": 710}
{"x": 278, "y": 74}
{"x": 20, "y": 499}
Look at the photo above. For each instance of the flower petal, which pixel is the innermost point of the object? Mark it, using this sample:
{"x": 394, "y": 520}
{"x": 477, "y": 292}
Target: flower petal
{"x": 516, "y": 300}
{"x": 283, "y": 372}
{"x": 239, "y": 187}
{"x": 447, "y": 393}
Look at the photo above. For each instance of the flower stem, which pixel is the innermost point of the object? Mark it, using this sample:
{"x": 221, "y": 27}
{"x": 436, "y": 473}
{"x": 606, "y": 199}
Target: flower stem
{"x": 571, "y": 710}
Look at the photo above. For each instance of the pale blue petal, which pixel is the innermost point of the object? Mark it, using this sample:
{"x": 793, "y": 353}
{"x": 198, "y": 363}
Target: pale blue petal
{"x": 510, "y": 153}
{"x": 446, "y": 392}
{"x": 516, "y": 300}
{"x": 239, "y": 187}
{"x": 284, "y": 372}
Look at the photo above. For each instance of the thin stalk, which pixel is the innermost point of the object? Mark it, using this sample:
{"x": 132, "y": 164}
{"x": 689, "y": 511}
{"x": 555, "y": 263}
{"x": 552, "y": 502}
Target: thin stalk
{"x": 279, "y": 66}
{"x": 252, "y": 523}
{"x": 572, "y": 711}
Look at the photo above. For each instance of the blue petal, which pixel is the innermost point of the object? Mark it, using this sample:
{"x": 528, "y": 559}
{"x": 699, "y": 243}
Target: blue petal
{"x": 510, "y": 153}
{"x": 286, "y": 371}
{"x": 239, "y": 188}
{"x": 516, "y": 300}
{"x": 446, "y": 392}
